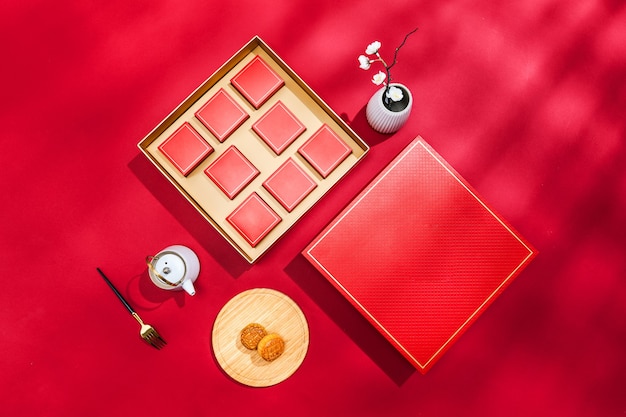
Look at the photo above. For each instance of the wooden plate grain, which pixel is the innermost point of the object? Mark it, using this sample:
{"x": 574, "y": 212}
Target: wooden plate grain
{"x": 279, "y": 314}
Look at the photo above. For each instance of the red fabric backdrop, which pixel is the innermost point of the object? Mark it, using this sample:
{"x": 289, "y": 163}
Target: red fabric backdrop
{"x": 524, "y": 99}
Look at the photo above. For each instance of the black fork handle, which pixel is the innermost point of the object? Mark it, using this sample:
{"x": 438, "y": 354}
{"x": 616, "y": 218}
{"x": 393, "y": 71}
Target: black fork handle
{"x": 122, "y": 299}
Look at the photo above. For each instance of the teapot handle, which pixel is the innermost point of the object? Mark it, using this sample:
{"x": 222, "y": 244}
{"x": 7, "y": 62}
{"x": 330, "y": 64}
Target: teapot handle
{"x": 149, "y": 260}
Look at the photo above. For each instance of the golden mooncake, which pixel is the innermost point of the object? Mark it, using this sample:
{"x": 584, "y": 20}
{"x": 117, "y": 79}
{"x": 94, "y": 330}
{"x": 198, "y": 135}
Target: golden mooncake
{"x": 271, "y": 347}
{"x": 252, "y": 334}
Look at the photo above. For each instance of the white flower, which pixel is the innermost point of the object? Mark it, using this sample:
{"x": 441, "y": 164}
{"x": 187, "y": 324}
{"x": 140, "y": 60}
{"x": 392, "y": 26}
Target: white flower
{"x": 364, "y": 62}
{"x": 372, "y": 48}
{"x": 395, "y": 93}
{"x": 379, "y": 78}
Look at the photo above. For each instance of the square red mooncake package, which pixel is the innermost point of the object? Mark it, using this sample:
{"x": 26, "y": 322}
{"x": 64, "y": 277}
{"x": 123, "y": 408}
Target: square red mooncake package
{"x": 419, "y": 254}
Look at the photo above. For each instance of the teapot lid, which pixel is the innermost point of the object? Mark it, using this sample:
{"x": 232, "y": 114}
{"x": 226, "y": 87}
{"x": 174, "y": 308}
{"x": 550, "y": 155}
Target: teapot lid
{"x": 169, "y": 267}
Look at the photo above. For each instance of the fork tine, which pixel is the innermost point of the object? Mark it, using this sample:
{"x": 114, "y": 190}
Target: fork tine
{"x": 149, "y": 333}
{"x": 151, "y": 336}
{"x": 149, "y": 339}
{"x": 150, "y": 343}
{"x": 160, "y": 341}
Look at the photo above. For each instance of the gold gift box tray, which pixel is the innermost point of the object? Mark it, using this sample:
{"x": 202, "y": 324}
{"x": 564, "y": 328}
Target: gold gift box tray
{"x": 198, "y": 185}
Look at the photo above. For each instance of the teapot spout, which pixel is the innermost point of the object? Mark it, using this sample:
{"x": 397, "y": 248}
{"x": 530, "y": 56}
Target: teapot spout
{"x": 188, "y": 287}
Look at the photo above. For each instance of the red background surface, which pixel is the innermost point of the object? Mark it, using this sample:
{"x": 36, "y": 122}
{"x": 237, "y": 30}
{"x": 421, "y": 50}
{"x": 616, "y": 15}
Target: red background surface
{"x": 524, "y": 99}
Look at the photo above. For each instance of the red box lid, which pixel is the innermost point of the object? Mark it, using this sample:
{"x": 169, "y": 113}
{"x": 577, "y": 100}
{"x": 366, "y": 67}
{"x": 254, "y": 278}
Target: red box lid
{"x": 185, "y": 148}
{"x": 289, "y": 184}
{"x": 231, "y": 171}
{"x": 257, "y": 82}
{"x": 325, "y": 150}
{"x": 221, "y": 115}
{"x": 419, "y": 254}
{"x": 278, "y": 127}
{"x": 254, "y": 219}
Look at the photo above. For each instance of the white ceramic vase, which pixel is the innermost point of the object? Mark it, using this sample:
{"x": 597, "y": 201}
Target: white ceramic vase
{"x": 385, "y": 120}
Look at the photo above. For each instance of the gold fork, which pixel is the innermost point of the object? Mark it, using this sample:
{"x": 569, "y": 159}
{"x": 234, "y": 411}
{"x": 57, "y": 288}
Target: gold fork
{"x": 147, "y": 332}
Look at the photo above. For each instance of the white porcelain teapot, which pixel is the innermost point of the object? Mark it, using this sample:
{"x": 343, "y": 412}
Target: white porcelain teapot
{"x": 174, "y": 268}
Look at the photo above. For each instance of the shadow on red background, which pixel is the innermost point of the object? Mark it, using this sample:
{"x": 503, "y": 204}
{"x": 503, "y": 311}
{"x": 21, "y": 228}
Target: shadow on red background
{"x": 349, "y": 320}
{"x": 181, "y": 210}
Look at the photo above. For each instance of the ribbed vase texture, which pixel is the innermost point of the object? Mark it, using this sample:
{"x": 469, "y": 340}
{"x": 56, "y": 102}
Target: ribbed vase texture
{"x": 383, "y": 120}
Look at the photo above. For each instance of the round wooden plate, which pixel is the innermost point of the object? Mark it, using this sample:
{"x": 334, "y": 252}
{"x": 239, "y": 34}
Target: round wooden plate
{"x": 278, "y": 314}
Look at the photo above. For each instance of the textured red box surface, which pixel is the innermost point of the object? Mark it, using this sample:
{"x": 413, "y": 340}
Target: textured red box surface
{"x": 419, "y": 254}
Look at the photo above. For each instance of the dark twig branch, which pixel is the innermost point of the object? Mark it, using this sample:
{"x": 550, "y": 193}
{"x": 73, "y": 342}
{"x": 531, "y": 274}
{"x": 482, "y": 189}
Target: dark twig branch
{"x": 395, "y": 55}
